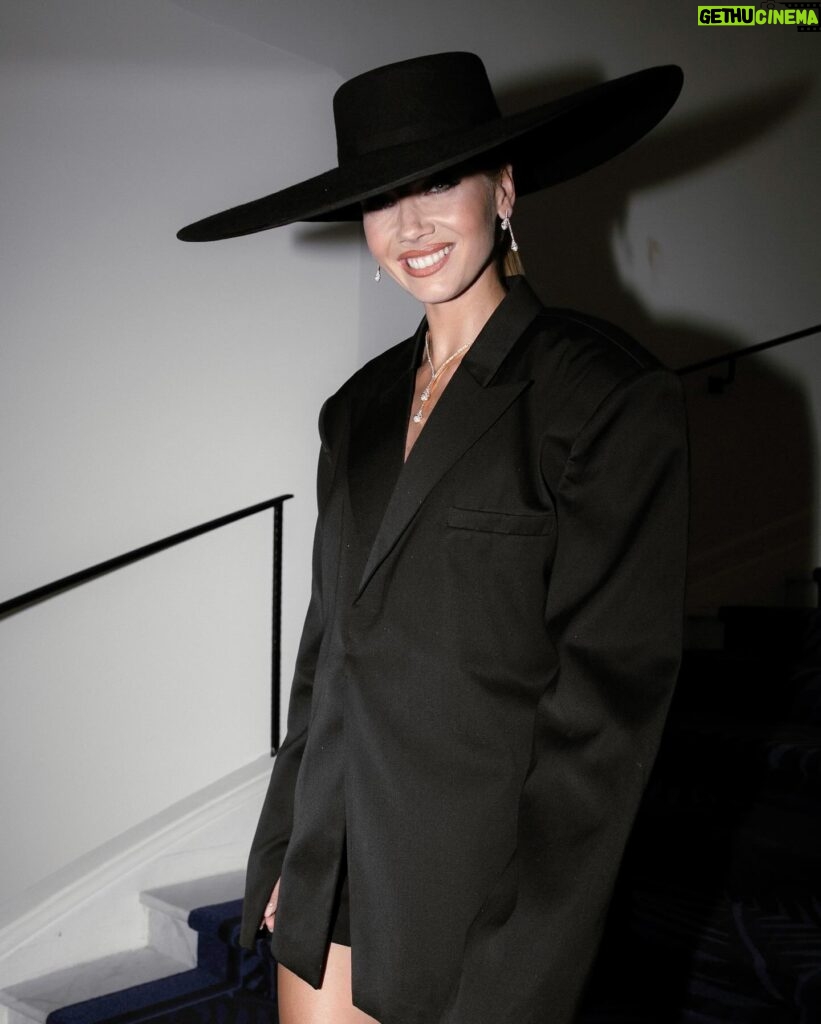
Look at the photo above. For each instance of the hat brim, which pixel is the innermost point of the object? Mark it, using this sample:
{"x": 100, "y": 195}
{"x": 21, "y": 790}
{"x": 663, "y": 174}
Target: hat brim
{"x": 546, "y": 145}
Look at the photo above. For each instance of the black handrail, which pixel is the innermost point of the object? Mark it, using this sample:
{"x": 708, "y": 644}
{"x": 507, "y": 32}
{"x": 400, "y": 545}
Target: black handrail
{"x": 719, "y": 383}
{"x": 48, "y": 590}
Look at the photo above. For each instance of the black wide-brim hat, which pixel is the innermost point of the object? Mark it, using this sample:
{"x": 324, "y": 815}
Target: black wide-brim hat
{"x": 407, "y": 121}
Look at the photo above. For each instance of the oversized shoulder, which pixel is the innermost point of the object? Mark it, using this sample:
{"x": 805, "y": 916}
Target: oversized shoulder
{"x": 383, "y": 370}
{"x": 583, "y": 339}
{"x": 596, "y": 397}
{"x": 577, "y": 363}
{"x": 369, "y": 381}
{"x": 576, "y": 347}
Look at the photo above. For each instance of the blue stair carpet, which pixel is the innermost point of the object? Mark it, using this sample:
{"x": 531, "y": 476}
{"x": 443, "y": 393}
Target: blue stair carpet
{"x": 229, "y": 985}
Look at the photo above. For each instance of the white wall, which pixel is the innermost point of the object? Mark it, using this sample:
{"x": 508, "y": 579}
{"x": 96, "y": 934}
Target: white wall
{"x": 146, "y": 385}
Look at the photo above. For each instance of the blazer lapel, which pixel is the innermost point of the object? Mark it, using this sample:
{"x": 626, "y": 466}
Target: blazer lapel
{"x": 377, "y": 446}
{"x": 461, "y": 416}
{"x": 469, "y": 407}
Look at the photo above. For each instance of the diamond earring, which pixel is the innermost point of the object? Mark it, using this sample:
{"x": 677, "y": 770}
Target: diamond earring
{"x": 514, "y": 245}
{"x": 378, "y": 275}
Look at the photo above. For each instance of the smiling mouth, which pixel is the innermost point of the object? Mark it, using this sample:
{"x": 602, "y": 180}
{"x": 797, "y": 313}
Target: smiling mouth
{"x": 422, "y": 263}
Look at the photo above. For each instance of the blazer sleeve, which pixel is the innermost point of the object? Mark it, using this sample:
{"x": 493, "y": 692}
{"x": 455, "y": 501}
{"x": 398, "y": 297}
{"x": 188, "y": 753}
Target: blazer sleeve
{"x": 276, "y": 818}
{"x": 614, "y": 611}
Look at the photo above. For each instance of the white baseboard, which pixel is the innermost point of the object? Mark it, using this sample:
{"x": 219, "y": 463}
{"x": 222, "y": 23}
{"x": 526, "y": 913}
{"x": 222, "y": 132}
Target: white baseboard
{"x": 91, "y": 908}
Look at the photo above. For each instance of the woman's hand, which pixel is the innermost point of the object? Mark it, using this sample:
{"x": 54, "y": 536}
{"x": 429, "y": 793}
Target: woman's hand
{"x": 270, "y": 912}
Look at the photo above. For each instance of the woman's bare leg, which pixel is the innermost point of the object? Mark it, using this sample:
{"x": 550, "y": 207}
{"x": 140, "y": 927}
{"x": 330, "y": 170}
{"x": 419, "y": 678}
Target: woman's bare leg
{"x": 330, "y": 1004}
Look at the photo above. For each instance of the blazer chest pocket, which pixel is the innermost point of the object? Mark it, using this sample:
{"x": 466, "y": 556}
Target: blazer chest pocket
{"x": 521, "y": 524}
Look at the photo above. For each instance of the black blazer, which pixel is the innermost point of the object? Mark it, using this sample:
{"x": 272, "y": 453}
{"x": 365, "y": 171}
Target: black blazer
{"x": 491, "y": 645}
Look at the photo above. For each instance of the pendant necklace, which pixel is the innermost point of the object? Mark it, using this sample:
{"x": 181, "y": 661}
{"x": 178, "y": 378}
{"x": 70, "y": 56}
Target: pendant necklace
{"x": 435, "y": 374}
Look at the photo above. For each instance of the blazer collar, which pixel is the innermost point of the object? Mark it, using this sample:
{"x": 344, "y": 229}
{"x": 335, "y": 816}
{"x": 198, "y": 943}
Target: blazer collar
{"x": 507, "y": 323}
{"x": 469, "y": 406}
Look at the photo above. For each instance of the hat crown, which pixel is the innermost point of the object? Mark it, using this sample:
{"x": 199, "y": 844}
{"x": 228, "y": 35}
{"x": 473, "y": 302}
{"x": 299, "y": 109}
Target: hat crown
{"x": 411, "y": 101}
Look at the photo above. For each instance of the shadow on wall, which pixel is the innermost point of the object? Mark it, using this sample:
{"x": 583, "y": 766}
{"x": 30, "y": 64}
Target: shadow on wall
{"x": 753, "y": 447}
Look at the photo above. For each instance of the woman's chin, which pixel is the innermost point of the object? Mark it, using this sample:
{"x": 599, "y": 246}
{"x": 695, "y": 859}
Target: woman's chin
{"x": 442, "y": 287}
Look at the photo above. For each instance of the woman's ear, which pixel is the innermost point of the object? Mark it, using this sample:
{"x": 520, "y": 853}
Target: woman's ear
{"x": 505, "y": 192}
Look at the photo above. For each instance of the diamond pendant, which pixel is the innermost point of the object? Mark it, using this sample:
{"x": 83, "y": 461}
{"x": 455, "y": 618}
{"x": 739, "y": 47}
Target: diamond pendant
{"x": 417, "y": 417}
{"x": 425, "y": 395}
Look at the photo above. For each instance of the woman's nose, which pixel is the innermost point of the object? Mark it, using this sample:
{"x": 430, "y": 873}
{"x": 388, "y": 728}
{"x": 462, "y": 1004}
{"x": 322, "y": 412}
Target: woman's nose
{"x": 411, "y": 221}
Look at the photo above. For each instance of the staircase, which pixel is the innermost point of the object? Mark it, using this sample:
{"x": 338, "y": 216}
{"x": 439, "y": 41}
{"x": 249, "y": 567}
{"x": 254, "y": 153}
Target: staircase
{"x": 192, "y": 971}
{"x": 717, "y": 914}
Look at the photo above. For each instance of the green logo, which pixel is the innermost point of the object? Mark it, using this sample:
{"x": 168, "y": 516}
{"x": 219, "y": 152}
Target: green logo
{"x": 804, "y": 16}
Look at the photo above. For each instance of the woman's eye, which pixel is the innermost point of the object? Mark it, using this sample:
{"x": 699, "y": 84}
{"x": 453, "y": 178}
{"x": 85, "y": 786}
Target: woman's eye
{"x": 377, "y": 203}
{"x": 384, "y": 201}
{"x": 440, "y": 186}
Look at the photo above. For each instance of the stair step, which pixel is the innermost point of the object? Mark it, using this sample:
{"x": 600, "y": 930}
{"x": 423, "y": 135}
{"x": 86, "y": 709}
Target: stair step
{"x": 184, "y": 960}
{"x": 34, "y": 1000}
{"x": 169, "y": 909}
{"x": 179, "y": 900}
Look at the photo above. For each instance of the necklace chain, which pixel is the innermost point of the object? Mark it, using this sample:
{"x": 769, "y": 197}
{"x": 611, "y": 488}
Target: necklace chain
{"x": 435, "y": 374}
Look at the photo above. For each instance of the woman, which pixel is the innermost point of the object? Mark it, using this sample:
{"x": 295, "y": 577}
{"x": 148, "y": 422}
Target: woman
{"x": 494, "y": 629}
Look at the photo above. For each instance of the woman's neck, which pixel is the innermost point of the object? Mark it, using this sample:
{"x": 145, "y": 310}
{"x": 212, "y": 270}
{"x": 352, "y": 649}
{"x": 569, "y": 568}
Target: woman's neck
{"x": 458, "y": 321}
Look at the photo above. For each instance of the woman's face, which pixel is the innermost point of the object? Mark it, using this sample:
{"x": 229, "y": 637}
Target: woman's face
{"x": 436, "y": 237}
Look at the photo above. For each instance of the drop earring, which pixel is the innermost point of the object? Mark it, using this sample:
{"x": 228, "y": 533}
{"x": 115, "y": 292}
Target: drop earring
{"x": 378, "y": 275}
{"x": 514, "y": 245}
